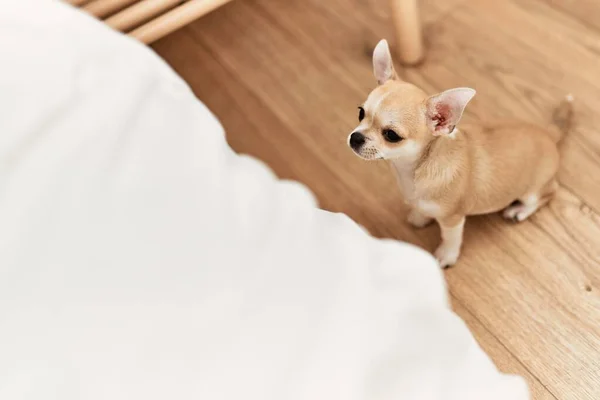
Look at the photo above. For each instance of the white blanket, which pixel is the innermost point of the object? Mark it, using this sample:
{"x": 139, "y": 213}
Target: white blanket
{"x": 141, "y": 259}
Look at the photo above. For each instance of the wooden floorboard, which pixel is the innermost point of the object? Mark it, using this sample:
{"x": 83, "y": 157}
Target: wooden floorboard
{"x": 585, "y": 11}
{"x": 285, "y": 78}
{"x": 504, "y": 359}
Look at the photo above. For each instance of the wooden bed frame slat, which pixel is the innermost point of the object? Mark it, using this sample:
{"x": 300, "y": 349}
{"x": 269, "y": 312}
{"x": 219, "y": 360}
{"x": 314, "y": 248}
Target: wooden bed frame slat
{"x": 139, "y": 13}
{"x": 175, "y": 19}
{"x": 104, "y": 8}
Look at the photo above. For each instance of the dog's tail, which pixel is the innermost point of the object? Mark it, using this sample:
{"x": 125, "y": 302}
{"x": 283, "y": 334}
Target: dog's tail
{"x": 562, "y": 117}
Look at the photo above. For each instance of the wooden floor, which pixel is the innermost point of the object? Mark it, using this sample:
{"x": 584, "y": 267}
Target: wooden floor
{"x": 285, "y": 78}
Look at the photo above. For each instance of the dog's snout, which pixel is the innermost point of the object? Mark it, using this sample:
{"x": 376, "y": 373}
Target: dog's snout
{"x": 357, "y": 139}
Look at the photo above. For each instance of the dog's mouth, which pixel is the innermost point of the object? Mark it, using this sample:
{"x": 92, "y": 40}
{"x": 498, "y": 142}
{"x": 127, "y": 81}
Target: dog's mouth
{"x": 368, "y": 153}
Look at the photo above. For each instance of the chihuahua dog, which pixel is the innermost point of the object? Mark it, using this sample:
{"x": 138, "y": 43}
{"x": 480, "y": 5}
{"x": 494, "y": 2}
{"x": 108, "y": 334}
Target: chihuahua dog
{"x": 445, "y": 173}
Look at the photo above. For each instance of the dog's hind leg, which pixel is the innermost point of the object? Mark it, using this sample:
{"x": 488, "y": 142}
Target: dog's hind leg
{"x": 529, "y": 204}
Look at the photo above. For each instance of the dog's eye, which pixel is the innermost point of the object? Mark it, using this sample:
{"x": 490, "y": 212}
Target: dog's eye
{"x": 361, "y": 114}
{"x": 391, "y": 136}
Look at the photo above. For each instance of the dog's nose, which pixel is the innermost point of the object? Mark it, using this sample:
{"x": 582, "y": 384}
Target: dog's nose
{"x": 357, "y": 139}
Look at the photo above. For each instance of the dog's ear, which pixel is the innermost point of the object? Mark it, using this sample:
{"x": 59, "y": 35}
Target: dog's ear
{"x": 445, "y": 109}
{"x": 383, "y": 66}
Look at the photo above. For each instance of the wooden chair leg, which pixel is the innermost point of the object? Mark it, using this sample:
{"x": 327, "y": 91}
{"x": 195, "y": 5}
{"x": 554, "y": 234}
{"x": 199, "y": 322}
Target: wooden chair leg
{"x": 409, "y": 36}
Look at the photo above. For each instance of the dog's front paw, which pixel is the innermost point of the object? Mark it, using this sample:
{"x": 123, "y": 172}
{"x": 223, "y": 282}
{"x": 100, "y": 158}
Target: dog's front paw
{"x": 447, "y": 255}
{"x": 418, "y": 220}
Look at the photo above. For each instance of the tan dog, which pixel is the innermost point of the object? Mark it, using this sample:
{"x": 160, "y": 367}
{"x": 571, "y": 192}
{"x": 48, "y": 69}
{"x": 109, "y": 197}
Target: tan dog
{"x": 446, "y": 174}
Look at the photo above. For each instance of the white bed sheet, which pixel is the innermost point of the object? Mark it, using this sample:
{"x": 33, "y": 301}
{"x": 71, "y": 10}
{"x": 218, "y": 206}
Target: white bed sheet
{"x": 140, "y": 258}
